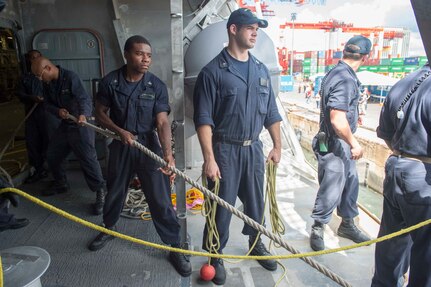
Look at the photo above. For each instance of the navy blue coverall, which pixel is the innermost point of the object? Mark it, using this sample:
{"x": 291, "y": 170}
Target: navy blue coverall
{"x": 237, "y": 109}
{"x": 407, "y": 185}
{"x": 68, "y": 92}
{"x": 337, "y": 175}
{"x": 133, "y": 107}
{"x": 40, "y": 125}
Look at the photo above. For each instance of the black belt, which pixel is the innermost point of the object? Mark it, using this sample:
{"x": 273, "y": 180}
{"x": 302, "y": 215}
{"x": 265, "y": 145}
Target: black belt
{"x": 413, "y": 157}
{"x": 223, "y": 139}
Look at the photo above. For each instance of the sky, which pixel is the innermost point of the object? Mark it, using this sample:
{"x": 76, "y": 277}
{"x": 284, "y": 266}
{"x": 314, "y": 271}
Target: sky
{"x": 361, "y": 13}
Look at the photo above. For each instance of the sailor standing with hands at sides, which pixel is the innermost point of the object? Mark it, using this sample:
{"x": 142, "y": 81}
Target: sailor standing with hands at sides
{"x": 405, "y": 125}
{"x": 233, "y": 101}
{"x": 66, "y": 95}
{"x": 134, "y": 104}
{"x": 336, "y": 147}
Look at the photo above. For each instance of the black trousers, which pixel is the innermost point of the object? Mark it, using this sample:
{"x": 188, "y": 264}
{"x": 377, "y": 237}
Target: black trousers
{"x": 125, "y": 161}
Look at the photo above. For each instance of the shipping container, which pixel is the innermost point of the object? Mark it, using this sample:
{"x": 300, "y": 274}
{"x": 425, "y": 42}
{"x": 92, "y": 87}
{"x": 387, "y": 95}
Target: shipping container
{"x": 423, "y": 60}
{"x": 385, "y": 62}
{"x": 337, "y": 55}
{"x": 372, "y": 68}
{"x": 383, "y": 69}
{"x": 397, "y": 69}
{"x": 363, "y": 68}
{"x": 409, "y": 69}
{"x": 307, "y": 62}
{"x": 321, "y": 54}
{"x": 298, "y": 56}
{"x": 412, "y": 61}
{"x": 397, "y": 62}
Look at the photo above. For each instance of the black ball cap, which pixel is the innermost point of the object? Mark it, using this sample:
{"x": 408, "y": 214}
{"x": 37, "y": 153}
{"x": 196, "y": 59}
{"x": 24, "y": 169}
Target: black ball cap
{"x": 244, "y": 16}
{"x": 358, "y": 44}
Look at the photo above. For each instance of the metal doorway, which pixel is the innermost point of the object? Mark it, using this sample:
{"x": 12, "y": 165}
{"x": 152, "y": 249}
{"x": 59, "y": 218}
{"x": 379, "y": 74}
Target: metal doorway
{"x": 79, "y": 50}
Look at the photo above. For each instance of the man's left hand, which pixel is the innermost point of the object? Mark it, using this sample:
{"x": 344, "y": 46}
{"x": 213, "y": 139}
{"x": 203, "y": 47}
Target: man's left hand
{"x": 81, "y": 120}
{"x": 274, "y": 155}
{"x": 165, "y": 170}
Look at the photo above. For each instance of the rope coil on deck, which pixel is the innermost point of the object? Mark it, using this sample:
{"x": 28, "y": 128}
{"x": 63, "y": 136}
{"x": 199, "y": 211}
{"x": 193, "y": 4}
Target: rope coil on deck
{"x": 204, "y": 254}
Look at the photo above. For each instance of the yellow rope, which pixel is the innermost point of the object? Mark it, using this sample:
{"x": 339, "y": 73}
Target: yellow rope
{"x": 204, "y": 254}
{"x": 274, "y": 213}
{"x": 209, "y": 211}
{"x": 277, "y": 223}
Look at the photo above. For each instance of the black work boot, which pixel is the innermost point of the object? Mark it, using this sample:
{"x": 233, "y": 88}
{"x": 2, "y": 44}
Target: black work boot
{"x": 316, "y": 236}
{"x": 36, "y": 176}
{"x": 348, "y": 229}
{"x": 220, "y": 271}
{"x": 56, "y": 187}
{"x": 181, "y": 262}
{"x": 260, "y": 250}
{"x": 14, "y": 223}
{"x": 100, "y": 241}
{"x": 100, "y": 201}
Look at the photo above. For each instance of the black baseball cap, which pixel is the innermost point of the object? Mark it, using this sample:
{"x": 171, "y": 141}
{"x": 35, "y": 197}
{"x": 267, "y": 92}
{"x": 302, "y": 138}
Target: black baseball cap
{"x": 244, "y": 16}
{"x": 359, "y": 45}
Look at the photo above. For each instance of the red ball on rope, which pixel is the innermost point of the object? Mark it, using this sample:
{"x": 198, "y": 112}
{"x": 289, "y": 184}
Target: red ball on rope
{"x": 207, "y": 272}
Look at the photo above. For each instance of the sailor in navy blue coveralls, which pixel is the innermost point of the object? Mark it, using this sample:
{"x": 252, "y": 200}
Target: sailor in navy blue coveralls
{"x": 337, "y": 175}
{"x": 233, "y": 101}
{"x": 138, "y": 106}
{"x": 39, "y": 125}
{"x": 134, "y": 107}
{"x": 407, "y": 185}
{"x": 66, "y": 95}
{"x": 339, "y": 185}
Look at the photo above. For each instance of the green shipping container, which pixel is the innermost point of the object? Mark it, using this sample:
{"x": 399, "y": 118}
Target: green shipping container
{"x": 373, "y": 68}
{"x": 385, "y": 62}
{"x": 423, "y": 60}
{"x": 396, "y": 69}
{"x": 383, "y": 69}
{"x": 363, "y": 68}
{"x": 306, "y": 62}
{"x": 397, "y": 62}
{"x": 409, "y": 69}
{"x": 306, "y": 69}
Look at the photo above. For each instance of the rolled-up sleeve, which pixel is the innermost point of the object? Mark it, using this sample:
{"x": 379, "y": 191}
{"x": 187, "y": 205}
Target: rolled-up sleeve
{"x": 204, "y": 99}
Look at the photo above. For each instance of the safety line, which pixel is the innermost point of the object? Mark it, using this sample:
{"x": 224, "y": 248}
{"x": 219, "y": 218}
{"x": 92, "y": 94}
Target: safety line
{"x": 204, "y": 254}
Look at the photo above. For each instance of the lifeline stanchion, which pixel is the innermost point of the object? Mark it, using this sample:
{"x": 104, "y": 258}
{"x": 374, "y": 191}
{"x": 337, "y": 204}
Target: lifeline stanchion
{"x": 334, "y": 277}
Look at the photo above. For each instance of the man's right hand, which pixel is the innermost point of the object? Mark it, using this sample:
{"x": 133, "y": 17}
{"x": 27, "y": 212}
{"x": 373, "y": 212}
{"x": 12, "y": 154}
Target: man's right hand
{"x": 211, "y": 170}
{"x": 37, "y": 99}
{"x": 357, "y": 152}
{"x": 63, "y": 113}
{"x": 126, "y": 137}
